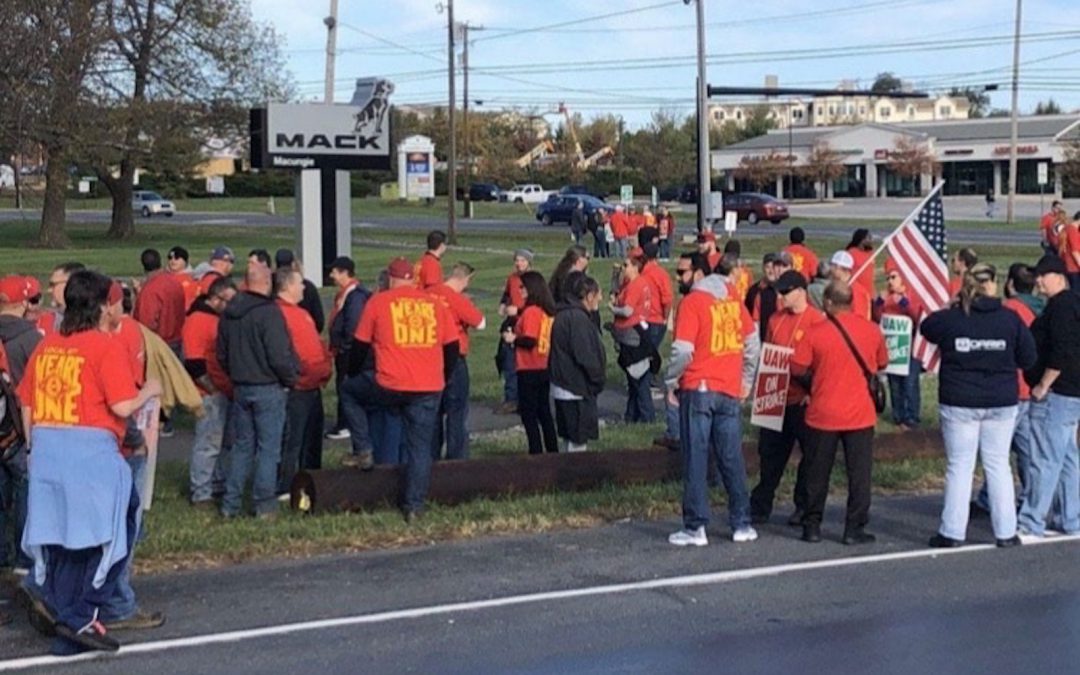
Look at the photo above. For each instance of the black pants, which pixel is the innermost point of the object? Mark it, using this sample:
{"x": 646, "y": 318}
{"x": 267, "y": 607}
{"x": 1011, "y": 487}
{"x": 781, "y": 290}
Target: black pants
{"x": 534, "y": 406}
{"x": 858, "y": 459}
{"x": 774, "y": 449}
{"x": 301, "y": 446}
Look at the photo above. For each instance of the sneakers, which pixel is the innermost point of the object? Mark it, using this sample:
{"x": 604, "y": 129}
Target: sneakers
{"x": 689, "y": 538}
{"x": 91, "y": 636}
{"x": 337, "y": 435}
{"x": 1009, "y": 543}
{"x": 795, "y": 520}
{"x": 941, "y": 541}
{"x": 744, "y": 535}
{"x": 858, "y": 537}
{"x": 365, "y": 461}
{"x": 1027, "y": 537}
{"x": 140, "y": 621}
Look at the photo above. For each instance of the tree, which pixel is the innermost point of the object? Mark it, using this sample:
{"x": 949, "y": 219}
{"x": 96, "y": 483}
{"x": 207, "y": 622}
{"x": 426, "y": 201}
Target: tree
{"x": 886, "y": 83}
{"x": 1069, "y": 169}
{"x": 601, "y": 131}
{"x": 761, "y": 170}
{"x": 911, "y": 158}
{"x": 978, "y": 99}
{"x": 664, "y": 150}
{"x": 173, "y": 75}
{"x": 1048, "y": 107}
{"x": 823, "y": 165}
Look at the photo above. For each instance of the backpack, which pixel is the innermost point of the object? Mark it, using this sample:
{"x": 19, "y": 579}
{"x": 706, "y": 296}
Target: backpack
{"x": 12, "y": 432}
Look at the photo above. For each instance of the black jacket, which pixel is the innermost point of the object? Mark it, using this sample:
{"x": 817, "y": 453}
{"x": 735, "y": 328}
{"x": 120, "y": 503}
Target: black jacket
{"x": 577, "y": 361}
{"x": 980, "y": 353}
{"x": 253, "y": 344}
{"x": 344, "y": 325}
{"x": 313, "y": 304}
{"x": 19, "y": 338}
{"x": 1057, "y": 339}
{"x": 578, "y": 221}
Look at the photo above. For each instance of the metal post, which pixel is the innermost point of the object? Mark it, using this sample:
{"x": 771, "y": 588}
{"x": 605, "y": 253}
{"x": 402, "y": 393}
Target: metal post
{"x": 467, "y": 213}
{"x": 331, "y": 50}
{"x": 704, "y": 176}
{"x": 1009, "y": 213}
{"x": 451, "y": 167}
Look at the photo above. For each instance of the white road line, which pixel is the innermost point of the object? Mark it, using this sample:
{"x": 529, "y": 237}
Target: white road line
{"x": 548, "y": 596}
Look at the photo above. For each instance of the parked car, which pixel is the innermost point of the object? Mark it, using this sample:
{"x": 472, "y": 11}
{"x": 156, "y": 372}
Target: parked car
{"x": 755, "y": 206}
{"x": 559, "y": 207}
{"x": 689, "y": 194}
{"x": 484, "y": 192}
{"x": 528, "y": 193}
{"x": 582, "y": 190}
{"x": 151, "y": 204}
{"x": 669, "y": 194}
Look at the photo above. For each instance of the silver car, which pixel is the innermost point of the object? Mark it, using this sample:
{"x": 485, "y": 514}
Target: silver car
{"x": 151, "y": 204}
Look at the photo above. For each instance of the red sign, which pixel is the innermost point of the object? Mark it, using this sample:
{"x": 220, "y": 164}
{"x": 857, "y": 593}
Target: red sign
{"x": 1020, "y": 149}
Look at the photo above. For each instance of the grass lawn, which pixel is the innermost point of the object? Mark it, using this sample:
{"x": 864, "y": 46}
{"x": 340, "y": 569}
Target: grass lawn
{"x": 181, "y": 537}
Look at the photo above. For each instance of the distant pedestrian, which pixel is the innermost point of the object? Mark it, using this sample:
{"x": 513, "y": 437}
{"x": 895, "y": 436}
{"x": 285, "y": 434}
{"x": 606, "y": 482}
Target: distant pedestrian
{"x": 531, "y": 337}
{"x": 1070, "y": 250}
{"x": 578, "y": 222}
{"x": 803, "y": 260}
{"x": 576, "y": 259}
{"x": 577, "y": 363}
{"x": 991, "y": 205}
{"x": 665, "y": 223}
{"x": 1051, "y": 225}
{"x": 428, "y": 270}
{"x": 620, "y": 232}
{"x": 982, "y": 345}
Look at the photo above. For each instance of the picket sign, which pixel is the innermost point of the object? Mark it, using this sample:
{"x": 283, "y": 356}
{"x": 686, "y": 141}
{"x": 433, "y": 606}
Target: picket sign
{"x": 897, "y": 332}
{"x": 146, "y": 419}
{"x": 771, "y": 387}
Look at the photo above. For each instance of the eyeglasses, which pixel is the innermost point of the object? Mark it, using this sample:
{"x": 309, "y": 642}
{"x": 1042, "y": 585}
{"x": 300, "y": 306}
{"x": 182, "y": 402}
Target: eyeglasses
{"x": 681, "y": 272}
{"x": 892, "y": 276}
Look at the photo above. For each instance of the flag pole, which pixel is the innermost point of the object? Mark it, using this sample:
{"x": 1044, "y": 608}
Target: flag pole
{"x": 888, "y": 238}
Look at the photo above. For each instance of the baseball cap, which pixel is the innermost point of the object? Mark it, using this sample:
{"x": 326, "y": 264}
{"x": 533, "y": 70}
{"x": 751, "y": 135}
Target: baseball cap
{"x": 345, "y": 264}
{"x": 33, "y": 288}
{"x": 636, "y": 252}
{"x": 14, "y": 289}
{"x": 400, "y": 268}
{"x": 789, "y": 281}
{"x": 1049, "y": 264}
{"x": 283, "y": 257}
{"x": 179, "y": 253}
{"x": 223, "y": 253}
{"x": 116, "y": 292}
{"x": 706, "y": 237}
{"x": 784, "y": 258}
{"x": 842, "y": 259}
{"x": 984, "y": 272}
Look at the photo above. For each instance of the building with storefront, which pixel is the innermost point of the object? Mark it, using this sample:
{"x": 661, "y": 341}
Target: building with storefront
{"x": 971, "y": 156}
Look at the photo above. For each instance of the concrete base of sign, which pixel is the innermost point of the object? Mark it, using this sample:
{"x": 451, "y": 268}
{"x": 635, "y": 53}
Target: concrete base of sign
{"x": 323, "y": 220}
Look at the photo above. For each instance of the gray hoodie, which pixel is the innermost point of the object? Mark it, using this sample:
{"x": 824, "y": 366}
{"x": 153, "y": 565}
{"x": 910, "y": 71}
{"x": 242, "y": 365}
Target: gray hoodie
{"x": 19, "y": 338}
{"x": 682, "y": 352}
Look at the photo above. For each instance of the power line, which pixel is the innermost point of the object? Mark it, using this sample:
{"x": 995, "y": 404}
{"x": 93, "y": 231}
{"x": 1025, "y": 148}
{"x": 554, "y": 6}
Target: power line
{"x": 596, "y": 17}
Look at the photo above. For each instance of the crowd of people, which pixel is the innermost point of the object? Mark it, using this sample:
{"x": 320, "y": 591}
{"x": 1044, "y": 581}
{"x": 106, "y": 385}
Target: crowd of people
{"x": 398, "y": 353}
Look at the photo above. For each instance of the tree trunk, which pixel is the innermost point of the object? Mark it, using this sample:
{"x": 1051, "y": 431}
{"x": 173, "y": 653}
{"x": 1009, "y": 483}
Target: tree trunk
{"x": 120, "y": 189}
{"x": 54, "y": 213}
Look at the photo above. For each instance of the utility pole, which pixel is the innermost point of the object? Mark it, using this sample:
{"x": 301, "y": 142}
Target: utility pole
{"x": 1009, "y": 212}
{"x": 331, "y": 51}
{"x": 451, "y": 169}
{"x": 467, "y": 213}
{"x": 704, "y": 177}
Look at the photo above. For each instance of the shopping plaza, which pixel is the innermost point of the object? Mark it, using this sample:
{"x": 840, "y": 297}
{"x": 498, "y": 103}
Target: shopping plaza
{"x": 972, "y": 157}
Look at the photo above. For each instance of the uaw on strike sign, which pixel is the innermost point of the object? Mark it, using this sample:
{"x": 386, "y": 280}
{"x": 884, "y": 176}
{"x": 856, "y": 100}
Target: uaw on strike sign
{"x": 771, "y": 387}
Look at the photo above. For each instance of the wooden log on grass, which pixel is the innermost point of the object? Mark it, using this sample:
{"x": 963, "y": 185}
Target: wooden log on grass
{"x": 454, "y": 482}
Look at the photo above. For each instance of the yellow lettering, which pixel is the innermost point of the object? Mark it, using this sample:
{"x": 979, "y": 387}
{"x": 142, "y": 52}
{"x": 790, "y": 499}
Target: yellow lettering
{"x": 58, "y": 386}
{"x": 543, "y": 344}
{"x": 414, "y": 321}
{"x": 726, "y": 334}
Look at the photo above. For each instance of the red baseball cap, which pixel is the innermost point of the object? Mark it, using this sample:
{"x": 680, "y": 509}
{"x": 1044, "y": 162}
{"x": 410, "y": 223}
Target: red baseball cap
{"x": 706, "y": 236}
{"x": 400, "y": 268}
{"x": 14, "y": 288}
{"x": 33, "y": 287}
{"x": 636, "y": 252}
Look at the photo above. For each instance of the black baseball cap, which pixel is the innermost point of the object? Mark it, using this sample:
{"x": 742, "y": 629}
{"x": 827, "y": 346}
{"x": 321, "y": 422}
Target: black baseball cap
{"x": 345, "y": 264}
{"x": 1050, "y": 264}
{"x": 283, "y": 257}
{"x": 789, "y": 281}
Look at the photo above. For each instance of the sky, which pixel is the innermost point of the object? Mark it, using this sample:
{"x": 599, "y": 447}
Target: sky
{"x": 633, "y": 57}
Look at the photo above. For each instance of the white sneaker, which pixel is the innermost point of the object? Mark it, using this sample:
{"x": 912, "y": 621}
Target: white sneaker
{"x": 744, "y": 535}
{"x": 689, "y": 538}
{"x": 339, "y": 435}
{"x": 1028, "y": 538}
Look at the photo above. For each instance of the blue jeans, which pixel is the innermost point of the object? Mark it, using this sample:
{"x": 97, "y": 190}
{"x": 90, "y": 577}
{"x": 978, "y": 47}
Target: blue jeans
{"x": 1021, "y": 447}
{"x": 509, "y": 373}
{"x": 620, "y": 248}
{"x": 386, "y": 435}
{"x": 121, "y": 604}
{"x": 418, "y": 413}
{"x": 13, "y": 492}
{"x": 363, "y": 408}
{"x": 712, "y": 425}
{"x": 665, "y": 249}
{"x": 985, "y": 433}
{"x": 454, "y": 409}
{"x": 205, "y": 469}
{"x": 259, "y": 421}
{"x": 905, "y": 395}
{"x": 600, "y": 245}
{"x": 1055, "y": 464}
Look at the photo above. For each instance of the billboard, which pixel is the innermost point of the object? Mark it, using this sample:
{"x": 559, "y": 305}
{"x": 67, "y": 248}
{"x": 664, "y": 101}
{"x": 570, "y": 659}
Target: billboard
{"x": 321, "y": 136}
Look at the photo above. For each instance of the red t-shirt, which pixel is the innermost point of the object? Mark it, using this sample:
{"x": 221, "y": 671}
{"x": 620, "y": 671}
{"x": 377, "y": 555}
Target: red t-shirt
{"x": 861, "y": 303}
{"x": 839, "y": 394}
{"x": 407, "y": 328}
{"x": 73, "y": 380}
{"x": 662, "y": 295}
{"x": 955, "y": 284}
{"x": 206, "y": 280}
{"x": 620, "y": 225}
{"x": 465, "y": 313}
{"x": 788, "y": 330}
{"x": 1072, "y": 245}
{"x": 804, "y": 261}
{"x": 428, "y": 271}
{"x": 536, "y": 324}
{"x": 512, "y": 291}
{"x": 130, "y": 335}
{"x": 866, "y": 277}
{"x": 160, "y": 306}
{"x": 743, "y": 279}
{"x": 310, "y": 350}
{"x": 199, "y": 343}
{"x": 1047, "y": 227}
{"x": 190, "y": 287}
{"x": 1028, "y": 317}
{"x": 634, "y": 223}
{"x": 717, "y": 329}
{"x": 637, "y": 295}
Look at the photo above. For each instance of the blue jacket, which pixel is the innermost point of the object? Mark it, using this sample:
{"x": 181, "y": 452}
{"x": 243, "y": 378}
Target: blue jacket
{"x": 341, "y": 331}
{"x": 980, "y": 354}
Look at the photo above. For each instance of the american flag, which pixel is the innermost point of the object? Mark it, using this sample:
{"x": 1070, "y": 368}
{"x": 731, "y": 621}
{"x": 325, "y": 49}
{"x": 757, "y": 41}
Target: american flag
{"x": 918, "y": 248}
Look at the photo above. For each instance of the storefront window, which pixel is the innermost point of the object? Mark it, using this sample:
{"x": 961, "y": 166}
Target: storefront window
{"x": 967, "y": 178}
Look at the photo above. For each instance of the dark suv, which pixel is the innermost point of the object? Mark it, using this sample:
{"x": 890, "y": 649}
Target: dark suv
{"x": 755, "y": 206}
{"x": 581, "y": 190}
{"x": 484, "y": 192}
{"x": 557, "y": 208}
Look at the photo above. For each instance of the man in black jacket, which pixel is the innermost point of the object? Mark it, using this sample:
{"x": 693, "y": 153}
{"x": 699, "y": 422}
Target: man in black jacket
{"x": 1055, "y": 408}
{"x": 312, "y": 303}
{"x": 578, "y": 222}
{"x": 254, "y": 349}
{"x": 577, "y": 363}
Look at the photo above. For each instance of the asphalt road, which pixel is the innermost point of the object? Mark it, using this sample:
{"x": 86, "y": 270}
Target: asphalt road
{"x": 777, "y": 605}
